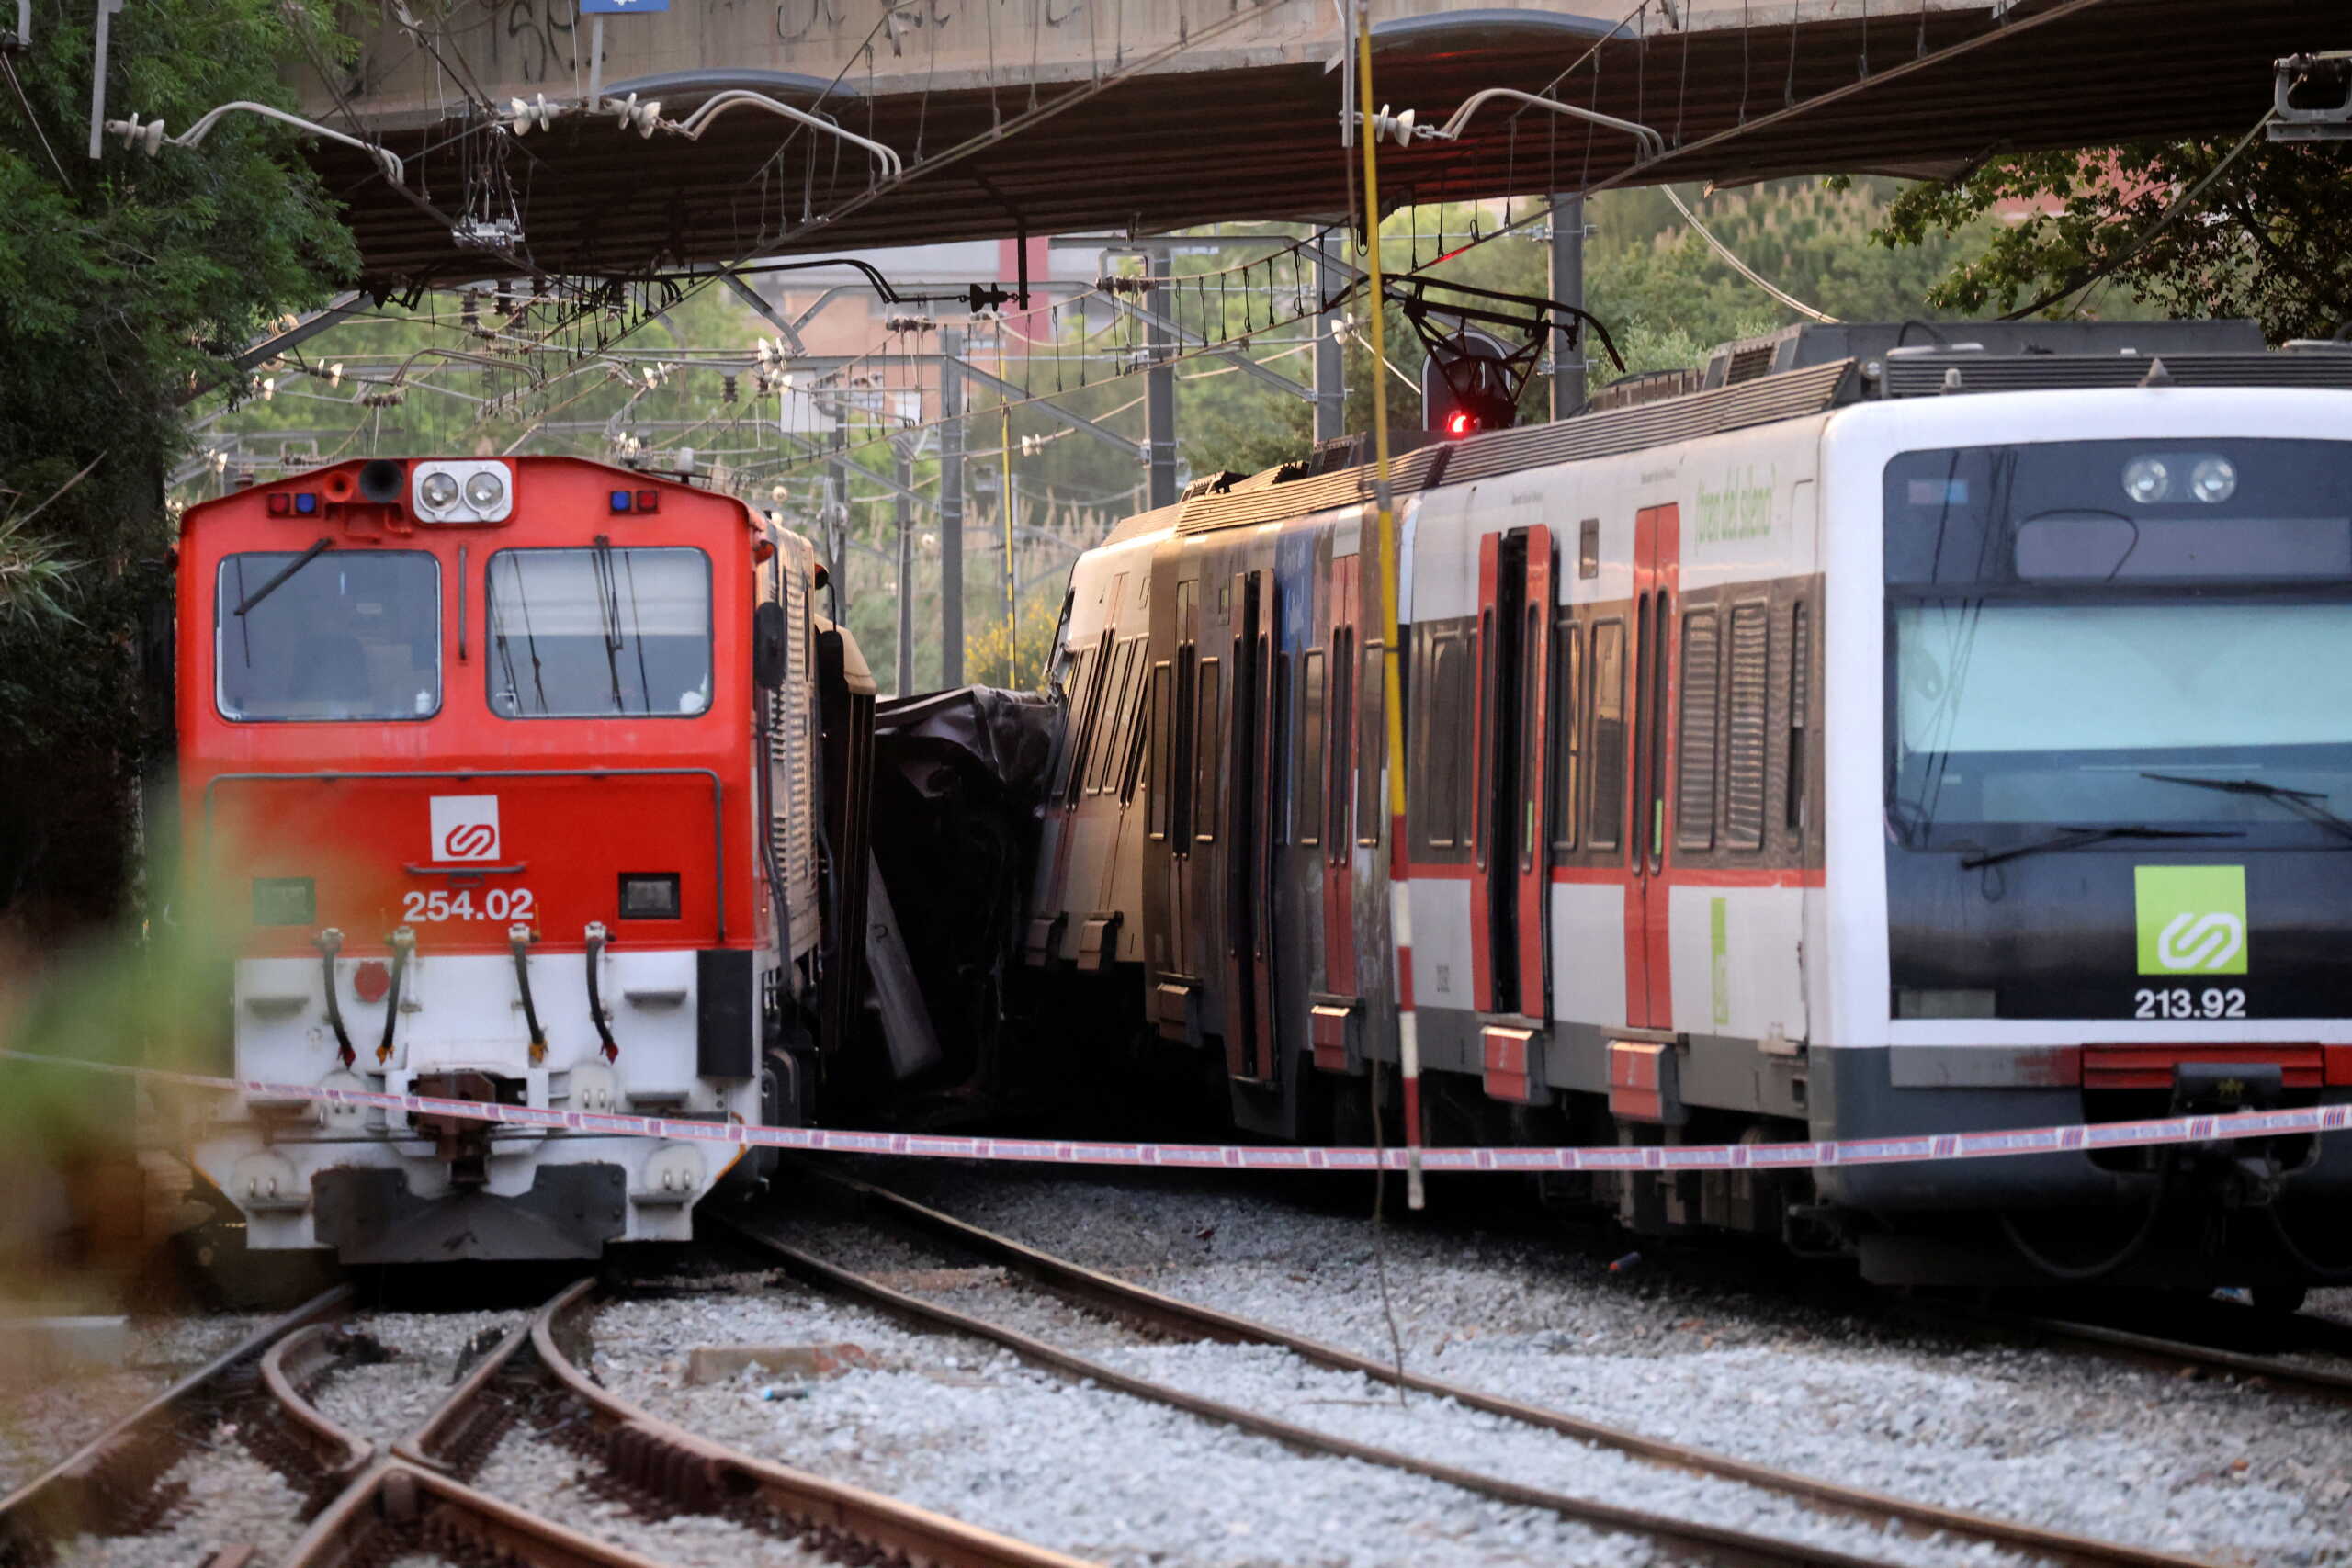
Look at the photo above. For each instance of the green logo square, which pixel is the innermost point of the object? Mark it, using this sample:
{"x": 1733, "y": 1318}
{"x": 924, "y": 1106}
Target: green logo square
{"x": 2192, "y": 919}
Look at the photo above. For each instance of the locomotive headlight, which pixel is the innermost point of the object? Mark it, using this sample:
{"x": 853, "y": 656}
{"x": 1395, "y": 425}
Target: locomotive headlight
{"x": 438, "y": 491}
{"x": 650, "y": 896}
{"x": 484, "y": 490}
{"x": 2147, "y": 481}
{"x": 2214, "y": 479}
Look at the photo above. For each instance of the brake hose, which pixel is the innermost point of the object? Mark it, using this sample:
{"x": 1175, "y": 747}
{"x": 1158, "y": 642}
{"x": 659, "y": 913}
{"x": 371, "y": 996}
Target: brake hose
{"x": 402, "y": 939}
{"x": 330, "y": 942}
{"x": 597, "y": 937}
{"x": 518, "y": 941}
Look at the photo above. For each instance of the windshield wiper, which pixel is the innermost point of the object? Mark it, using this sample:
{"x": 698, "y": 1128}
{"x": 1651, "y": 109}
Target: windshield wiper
{"x": 275, "y": 583}
{"x": 2080, "y": 838}
{"x": 2303, "y": 803}
{"x": 608, "y": 612}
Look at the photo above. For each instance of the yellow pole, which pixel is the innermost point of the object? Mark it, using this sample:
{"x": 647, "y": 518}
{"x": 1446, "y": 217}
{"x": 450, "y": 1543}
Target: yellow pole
{"x": 1387, "y": 574}
{"x": 1004, "y": 501}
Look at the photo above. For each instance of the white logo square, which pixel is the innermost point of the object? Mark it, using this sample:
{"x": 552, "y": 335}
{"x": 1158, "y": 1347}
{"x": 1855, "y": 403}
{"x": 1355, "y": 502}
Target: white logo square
{"x": 464, "y": 827}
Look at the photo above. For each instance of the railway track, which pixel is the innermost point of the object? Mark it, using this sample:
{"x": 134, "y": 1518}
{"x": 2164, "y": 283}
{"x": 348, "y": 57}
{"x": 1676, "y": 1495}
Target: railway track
{"x": 2132, "y": 1347}
{"x": 1155, "y": 1314}
{"x": 371, "y": 1502}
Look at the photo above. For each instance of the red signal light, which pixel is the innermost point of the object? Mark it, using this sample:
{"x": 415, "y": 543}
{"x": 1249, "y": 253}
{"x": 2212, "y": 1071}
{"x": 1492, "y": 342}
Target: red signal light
{"x": 1459, "y": 423}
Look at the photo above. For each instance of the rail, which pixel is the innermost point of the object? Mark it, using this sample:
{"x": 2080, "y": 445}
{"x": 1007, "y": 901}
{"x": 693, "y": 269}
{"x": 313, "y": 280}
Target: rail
{"x": 1172, "y": 1314}
{"x": 109, "y": 1484}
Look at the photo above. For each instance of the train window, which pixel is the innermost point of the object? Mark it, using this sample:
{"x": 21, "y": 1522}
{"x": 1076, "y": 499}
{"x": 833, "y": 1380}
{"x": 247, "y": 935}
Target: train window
{"x": 1372, "y": 745}
{"x": 1308, "y": 785}
{"x": 1138, "y": 727}
{"x": 1205, "y": 756}
{"x": 1340, "y": 767}
{"x": 1117, "y": 708}
{"x": 1531, "y": 734}
{"x": 1702, "y": 697}
{"x": 338, "y": 635}
{"x": 1652, "y": 716}
{"x": 599, "y": 632}
{"x": 1744, "y": 728}
{"x": 1160, "y": 807}
{"x": 1445, "y": 713}
{"x": 1800, "y": 698}
{"x": 1073, "y": 723}
{"x": 1588, "y": 547}
{"x": 1568, "y": 751}
{"x": 1607, "y": 706}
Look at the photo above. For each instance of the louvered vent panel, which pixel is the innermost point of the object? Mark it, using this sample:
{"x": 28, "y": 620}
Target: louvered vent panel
{"x": 1694, "y": 810}
{"x": 1744, "y": 747}
{"x": 1767, "y": 398}
{"x": 1919, "y": 376}
{"x": 1255, "y": 502}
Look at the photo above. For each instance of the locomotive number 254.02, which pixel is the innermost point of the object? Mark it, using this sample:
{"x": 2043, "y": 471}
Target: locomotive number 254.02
{"x": 2181, "y": 1003}
{"x": 495, "y": 904}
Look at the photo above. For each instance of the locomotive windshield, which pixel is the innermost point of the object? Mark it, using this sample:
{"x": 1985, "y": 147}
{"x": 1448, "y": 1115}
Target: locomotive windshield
{"x": 593, "y": 633}
{"x": 2119, "y": 634}
{"x": 329, "y": 633}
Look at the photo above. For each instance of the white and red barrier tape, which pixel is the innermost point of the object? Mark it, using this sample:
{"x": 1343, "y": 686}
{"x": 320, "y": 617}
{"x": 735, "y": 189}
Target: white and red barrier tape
{"x": 1053, "y": 1151}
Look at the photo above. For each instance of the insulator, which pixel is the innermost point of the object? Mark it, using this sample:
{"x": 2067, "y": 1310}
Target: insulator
{"x": 727, "y": 388}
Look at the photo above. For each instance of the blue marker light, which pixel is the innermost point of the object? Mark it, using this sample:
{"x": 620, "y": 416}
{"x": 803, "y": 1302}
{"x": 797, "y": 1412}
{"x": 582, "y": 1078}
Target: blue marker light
{"x": 305, "y": 503}
{"x": 620, "y": 500}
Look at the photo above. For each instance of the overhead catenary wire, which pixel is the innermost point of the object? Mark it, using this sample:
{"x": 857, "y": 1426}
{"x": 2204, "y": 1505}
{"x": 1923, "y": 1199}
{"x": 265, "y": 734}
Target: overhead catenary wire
{"x": 1732, "y": 260}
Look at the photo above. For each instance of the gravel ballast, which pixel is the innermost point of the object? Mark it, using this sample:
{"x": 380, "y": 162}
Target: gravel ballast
{"x": 2068, "y": 1442}
{"x": 970, "y": 1432}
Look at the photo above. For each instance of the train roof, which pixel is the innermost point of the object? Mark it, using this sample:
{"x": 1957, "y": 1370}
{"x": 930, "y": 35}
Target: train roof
{"x": 1802, "y": 371}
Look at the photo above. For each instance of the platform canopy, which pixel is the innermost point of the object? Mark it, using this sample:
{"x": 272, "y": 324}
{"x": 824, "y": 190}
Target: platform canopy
{"x": 1045, "y": 116}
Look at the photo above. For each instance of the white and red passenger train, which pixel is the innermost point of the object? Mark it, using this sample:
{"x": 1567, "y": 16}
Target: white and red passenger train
{"x": 522, "y": 780}
{"x": 1881, "y": 737}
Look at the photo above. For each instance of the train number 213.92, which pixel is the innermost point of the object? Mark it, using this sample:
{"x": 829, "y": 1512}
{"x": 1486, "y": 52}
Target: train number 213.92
{"x": 2182, "y": 1002}
{"x": 495, "y": 904}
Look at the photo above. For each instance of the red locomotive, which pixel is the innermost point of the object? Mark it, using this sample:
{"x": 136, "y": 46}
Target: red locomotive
{"x": 520, "y": 780}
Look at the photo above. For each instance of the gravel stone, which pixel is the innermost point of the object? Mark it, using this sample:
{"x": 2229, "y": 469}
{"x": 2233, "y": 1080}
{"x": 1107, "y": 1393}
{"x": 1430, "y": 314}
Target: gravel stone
{"x": 2053, "y": 1438}
{"x": 964, "y": 1429}
{"x": 232, "y": 1499}
{"x": 47, "y": 1413}
{"x": 385, "y": 1402}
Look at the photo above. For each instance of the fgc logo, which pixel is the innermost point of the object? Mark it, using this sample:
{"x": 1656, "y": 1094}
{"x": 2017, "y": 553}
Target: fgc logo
{"x": 464, "y": 827}
{"x": 2191, "y": 918}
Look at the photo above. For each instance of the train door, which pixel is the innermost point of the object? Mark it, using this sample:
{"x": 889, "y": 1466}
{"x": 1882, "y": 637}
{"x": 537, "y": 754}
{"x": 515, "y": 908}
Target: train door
{"x": 1182, "y": 898}
{"x": 1334, "y": 780}
{"x": 1657, "y": 550}
{"x": 1254, "y": 723}
{"x": 1510, "y": 885}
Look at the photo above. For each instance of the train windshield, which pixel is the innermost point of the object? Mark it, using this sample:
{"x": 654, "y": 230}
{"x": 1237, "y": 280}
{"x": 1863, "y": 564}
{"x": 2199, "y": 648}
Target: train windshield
{"x": 2101, "y": 634}
{"x": 598, "y": 632}
{"x": 329, "y": 633}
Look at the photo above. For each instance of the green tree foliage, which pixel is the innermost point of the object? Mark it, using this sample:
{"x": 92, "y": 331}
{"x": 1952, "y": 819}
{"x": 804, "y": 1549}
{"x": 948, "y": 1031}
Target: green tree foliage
{"x": 2263, "y": 240}
{"x": 129, "y": 282}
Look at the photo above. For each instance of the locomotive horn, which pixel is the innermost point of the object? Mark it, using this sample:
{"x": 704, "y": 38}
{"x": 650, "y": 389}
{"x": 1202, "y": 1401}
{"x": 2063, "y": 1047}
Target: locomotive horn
{"x": 382, "y": 480}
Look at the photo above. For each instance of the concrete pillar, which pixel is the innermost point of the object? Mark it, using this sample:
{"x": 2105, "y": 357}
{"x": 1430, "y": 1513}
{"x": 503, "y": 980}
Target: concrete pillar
{"x": 1568, "y": 392}
{"x": 1331, "y": 365}
{"x": 1160, "y": 387}
{"x": 951, "y": 507}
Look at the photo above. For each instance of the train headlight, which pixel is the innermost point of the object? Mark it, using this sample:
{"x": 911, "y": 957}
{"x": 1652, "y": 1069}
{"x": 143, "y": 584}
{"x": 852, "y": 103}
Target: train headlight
{"x": 455, "y": 491}
{"x": 650, "y": 896}
{"x": 2214, "y": 479}
{"x": 2147, "y": 481}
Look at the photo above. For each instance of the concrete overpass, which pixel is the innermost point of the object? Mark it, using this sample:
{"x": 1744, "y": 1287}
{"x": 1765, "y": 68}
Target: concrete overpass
{"x": 1050, "y": 115}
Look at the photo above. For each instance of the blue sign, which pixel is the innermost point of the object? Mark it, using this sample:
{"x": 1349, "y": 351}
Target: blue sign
{"x": 620, "y": 7}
